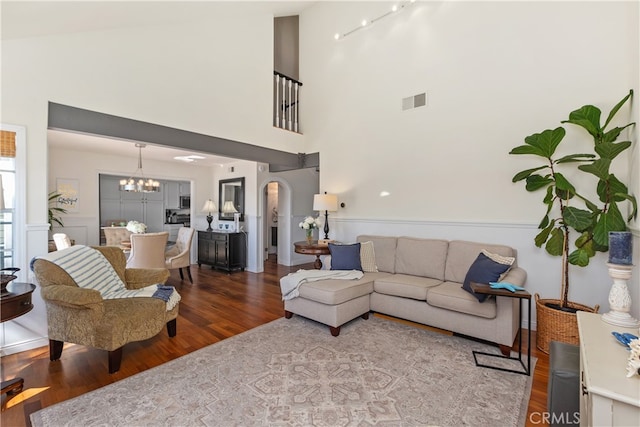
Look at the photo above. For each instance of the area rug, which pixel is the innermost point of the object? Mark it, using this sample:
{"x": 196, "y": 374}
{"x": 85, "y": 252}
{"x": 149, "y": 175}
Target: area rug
{"x": 292, "y": 372}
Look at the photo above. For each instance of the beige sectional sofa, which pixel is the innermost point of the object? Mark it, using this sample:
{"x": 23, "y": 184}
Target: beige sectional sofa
{"x": 418, "y": 280}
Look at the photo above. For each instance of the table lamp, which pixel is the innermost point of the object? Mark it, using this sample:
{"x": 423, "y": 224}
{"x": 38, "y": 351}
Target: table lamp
{"x": 209, "y": 207}
{"x": 325, "y": 202}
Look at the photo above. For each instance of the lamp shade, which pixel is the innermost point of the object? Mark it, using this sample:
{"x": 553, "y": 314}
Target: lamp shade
{"x": 209, "y": 207}
{"x": 228, "y": 207}
{"x": 325, "y": 202}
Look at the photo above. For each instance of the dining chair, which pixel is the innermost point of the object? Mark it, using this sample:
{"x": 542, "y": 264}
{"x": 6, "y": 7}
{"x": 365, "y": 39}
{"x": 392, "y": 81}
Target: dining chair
{"x": 147, "y": 250}
{"x": 62, "y": 241}
{"x": 179, "y": 255}
{"x": 114, "y": 236}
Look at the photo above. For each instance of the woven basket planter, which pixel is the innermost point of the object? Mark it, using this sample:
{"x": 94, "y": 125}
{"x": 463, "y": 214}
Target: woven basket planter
{"x": 557, "y": 325}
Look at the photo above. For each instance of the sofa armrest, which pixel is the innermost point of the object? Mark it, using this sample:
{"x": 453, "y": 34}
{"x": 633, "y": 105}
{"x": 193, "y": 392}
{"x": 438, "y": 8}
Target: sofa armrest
{"x": 71, "y": 296}
{"x": 516, "y": 275}
{"x": 137, "y": 278}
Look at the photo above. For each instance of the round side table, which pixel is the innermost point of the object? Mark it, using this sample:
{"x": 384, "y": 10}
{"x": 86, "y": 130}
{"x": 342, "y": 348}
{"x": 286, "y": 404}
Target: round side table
{"x": 16, "y": 301}
{"x": 312, "y": 248}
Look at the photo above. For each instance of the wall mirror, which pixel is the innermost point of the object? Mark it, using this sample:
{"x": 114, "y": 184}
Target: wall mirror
{"x": 231, "y": 193}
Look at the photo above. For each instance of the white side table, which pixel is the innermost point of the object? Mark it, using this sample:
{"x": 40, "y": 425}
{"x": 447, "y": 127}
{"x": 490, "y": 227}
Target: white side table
{"x": 608, "y": 398}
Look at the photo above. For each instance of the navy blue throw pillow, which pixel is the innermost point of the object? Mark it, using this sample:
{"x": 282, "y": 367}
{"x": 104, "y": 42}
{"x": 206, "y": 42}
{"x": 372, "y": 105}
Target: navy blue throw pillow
{"x": 483, "y": 270}
{"x": 345, "y": 257}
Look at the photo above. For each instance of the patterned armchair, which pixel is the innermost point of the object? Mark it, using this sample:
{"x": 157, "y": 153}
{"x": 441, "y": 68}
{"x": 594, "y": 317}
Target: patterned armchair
{"x": 81, "y": 316}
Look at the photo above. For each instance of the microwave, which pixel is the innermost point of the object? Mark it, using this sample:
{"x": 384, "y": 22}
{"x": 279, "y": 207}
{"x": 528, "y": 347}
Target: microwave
{"x": 185, "y": 202}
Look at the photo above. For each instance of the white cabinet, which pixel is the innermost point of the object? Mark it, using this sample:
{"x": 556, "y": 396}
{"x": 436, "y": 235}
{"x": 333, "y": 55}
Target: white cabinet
{"x": 171, "y": 195}
{"x": 127, "y": 206}
{"x": 172, "y": 192}
{"x": 608, "y": 397}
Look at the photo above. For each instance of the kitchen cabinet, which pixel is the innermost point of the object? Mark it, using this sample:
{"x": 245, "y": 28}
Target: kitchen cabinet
{"x": 171, "y": 195}
{"x": 172, "y": 192}
{"x": 122, "y": 205}
{"x": 226, "y": 251}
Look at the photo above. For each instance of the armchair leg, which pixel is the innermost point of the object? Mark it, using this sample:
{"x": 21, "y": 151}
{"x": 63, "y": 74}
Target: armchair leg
{"x": 55, "y": 349}
{"x": 189, "y": 273}
{"x": 172, "y": 327}
{"x": 180, "y": 271}
{"x": 115, "y": 357}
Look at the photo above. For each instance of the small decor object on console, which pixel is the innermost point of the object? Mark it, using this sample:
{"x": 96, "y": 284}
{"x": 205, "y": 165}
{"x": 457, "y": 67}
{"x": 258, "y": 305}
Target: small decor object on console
{"x": 136, "y": 227}
{"x": 633, "y": 367}
{"x": 308, "y": 225}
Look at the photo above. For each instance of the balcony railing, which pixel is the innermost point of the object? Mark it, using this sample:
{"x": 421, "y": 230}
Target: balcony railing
{"x": 287, "y": 102}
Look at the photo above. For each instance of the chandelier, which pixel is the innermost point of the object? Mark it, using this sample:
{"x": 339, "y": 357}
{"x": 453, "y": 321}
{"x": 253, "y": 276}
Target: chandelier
{"x": 139, "y": 185}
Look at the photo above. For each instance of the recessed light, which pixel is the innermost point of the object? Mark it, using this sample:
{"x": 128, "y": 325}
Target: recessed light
{"x": 190, "y": 158}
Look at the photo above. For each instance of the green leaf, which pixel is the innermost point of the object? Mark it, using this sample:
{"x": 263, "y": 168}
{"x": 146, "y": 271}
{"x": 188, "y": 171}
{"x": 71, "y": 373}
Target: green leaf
{"x": 579, "y": 257}
{"x": 599, "y": 168}
{"x": 578, "y": 219}
{"x": 576, "y": 158}
{"x": 562, "y": 183}
{"x": 542, "y": 237}
{"x": 525, "y": 173}
{"x": 527, "y": 149}
{"x": 587, "y": 117}
{"x": 615, "y": 109}
{"x": 555, "y": 244}
{"x": 613, "y": 134}
{"x": 611, "y": 190}
{"x": 545, "y": 142}
{"x": 610, "y": 150}
{"x": 564, "y": 189}
{"x": 548, "y": 199}
{"x": 609, "y": 221}
{"x": 536, "y": 182}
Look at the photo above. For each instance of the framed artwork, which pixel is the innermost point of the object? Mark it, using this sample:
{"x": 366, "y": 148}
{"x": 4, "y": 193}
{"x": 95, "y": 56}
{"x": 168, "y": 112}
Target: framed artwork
{"x": 69, "y": 191}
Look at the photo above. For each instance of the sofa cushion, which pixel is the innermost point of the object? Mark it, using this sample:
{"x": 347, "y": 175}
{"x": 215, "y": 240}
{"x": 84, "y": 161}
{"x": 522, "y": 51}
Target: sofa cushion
{"x": 368, "y": 257}
{"x": 421, "y": 257}
{"x": 345, "y": 257}
{"x": 334, "y": 291}
{"x": 450, "y": 296}
{"x": 462, "y": 254}
{"x": 403, "y": 285}
{"x": 385, "y": 251}
{"x": 483, "y": 270}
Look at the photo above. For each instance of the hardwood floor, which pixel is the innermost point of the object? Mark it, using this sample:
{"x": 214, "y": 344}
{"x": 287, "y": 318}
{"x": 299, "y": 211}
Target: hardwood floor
{"x": 214, "y": 307}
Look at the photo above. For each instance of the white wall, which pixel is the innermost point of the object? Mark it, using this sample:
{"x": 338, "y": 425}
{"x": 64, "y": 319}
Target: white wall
{"x": 494, "y": 72}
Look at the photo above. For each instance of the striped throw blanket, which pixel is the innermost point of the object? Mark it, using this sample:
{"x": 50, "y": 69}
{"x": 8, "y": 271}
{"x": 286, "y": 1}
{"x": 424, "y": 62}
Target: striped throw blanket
{"x": 91, "y": 270}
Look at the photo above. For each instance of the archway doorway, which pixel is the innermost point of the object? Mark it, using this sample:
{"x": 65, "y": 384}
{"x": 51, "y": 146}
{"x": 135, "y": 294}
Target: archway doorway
{"x": 275, "y": 234}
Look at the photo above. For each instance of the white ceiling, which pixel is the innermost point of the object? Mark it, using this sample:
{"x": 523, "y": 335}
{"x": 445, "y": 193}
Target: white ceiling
{"x": 22, "y": 19}
{"x": 124, "y": 148}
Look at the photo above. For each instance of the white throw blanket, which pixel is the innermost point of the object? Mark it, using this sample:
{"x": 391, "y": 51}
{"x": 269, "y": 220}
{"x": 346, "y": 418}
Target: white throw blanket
{"x": 290, "y": 283}
{"x": 91, "y": 270}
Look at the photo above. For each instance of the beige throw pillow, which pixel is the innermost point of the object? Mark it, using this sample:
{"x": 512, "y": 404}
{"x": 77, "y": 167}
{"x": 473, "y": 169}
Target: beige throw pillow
{"x": 506, "y": 260}
{"x": 368, "y": 257}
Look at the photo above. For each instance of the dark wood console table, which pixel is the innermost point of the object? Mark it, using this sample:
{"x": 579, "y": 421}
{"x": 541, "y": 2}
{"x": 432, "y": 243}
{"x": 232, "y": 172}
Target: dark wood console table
{"x": 312, "y": 248}
{"x": 16, "y": 301}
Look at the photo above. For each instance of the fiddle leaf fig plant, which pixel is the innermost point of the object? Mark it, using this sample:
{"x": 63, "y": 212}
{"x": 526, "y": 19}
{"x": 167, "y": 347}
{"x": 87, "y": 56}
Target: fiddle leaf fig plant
{"x": 567, "y": 205}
